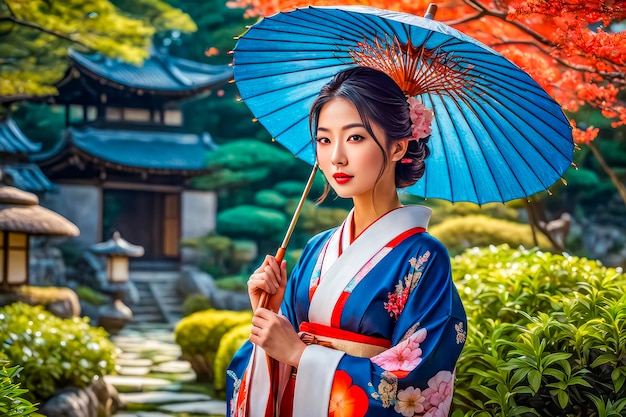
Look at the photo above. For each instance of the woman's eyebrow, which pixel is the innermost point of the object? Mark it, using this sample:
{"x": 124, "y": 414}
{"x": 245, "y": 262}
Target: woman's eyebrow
{"x": 346, "y": 127}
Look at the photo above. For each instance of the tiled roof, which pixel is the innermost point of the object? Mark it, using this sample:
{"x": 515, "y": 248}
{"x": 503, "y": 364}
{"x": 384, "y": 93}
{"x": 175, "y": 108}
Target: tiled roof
{"x": 13, "y": 140}
{"x": 28, "y": 177}
{"x": 160, "y": 72}
{"x": 168, "y": 151}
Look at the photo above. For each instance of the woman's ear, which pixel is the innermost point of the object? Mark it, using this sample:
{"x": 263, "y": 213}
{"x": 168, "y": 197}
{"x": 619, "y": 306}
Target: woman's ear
{"x": 398, "y": 149}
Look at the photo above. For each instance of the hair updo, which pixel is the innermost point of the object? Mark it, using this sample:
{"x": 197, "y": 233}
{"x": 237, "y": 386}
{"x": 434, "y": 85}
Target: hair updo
{"x": 379, "y": 100}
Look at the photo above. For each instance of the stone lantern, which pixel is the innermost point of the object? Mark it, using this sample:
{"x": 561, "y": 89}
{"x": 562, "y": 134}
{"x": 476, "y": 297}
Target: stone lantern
{"x": 114, "y": 316}
{"x": 21, "y": 216}
{"x": 117, "y": 252}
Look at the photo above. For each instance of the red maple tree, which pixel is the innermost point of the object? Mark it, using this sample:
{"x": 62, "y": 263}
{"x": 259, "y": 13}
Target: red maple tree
{"x": 568, "y": 46}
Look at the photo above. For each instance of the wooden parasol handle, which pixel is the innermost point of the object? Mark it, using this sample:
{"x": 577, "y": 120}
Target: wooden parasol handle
{"x": 280, "y": 253}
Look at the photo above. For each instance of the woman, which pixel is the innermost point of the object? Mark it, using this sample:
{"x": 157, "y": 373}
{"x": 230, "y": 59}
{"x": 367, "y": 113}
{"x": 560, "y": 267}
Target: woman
{"x": 370, "y": 322}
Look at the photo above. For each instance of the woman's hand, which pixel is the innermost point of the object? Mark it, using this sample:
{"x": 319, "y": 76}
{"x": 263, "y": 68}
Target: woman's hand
{"x": 277, "y": 337}
{"x": 270, "y": 278}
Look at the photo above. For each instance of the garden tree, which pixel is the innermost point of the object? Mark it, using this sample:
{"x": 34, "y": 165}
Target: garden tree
{"x": 246, "y": 164}
{"x": 37, "y": 33}
{"x": 568, "y": 47}
{"x": 219, "y": 112}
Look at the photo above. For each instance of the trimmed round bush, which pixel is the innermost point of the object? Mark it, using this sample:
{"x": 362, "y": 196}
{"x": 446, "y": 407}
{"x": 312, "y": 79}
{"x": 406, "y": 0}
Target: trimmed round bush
{"x": 55, "y": 353}
{"x": 251, "y": 221}
{"x": 196, "y": 302}
{"x": 199, "y": 337}
{"x": 271, "y": 199}
{"x": 290, "y": 188}
{"x": 230, "y": 343}
{"x": 546, "y": 336}
{"x": 460, "y": 233}
{"x": 236, "y": 283}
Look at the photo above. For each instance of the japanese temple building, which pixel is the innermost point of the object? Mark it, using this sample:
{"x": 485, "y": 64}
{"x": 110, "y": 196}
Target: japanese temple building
{"x": 125, "y": 162}
{"x": 15, "y": 169}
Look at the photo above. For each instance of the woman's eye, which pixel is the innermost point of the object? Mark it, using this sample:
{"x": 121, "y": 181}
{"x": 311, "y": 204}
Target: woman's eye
{"x": 322, "y": 140}
{"x": 355, "y": 138}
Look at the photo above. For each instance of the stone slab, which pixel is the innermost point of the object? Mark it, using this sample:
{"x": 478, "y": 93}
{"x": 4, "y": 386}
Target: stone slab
{"x": 135, "y": 381}
{"x": 133, "y": 370}
{"x": 197, "y": 407}
{"x": 134, "y": 362}
{"x": 173, "y": 367}
{"x": 162, "y": 397}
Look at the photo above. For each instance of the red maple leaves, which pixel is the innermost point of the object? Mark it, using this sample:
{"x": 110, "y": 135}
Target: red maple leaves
{"x": 567, "y": 46}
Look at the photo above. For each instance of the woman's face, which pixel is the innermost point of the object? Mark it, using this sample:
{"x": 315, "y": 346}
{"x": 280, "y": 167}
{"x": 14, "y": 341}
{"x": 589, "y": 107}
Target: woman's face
{"x": 347, "y": 154}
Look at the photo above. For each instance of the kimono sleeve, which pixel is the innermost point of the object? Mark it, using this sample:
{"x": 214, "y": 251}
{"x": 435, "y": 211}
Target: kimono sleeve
{"x": 415, "y": 377}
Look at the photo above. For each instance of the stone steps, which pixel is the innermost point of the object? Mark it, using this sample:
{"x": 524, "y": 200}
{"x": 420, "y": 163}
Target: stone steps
{"x": 152, "y": 379}
{"x": 159, "y": 302}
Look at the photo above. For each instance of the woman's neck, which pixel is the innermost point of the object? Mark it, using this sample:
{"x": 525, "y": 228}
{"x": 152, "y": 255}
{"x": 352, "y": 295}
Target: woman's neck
{"x": 367, "y": 212}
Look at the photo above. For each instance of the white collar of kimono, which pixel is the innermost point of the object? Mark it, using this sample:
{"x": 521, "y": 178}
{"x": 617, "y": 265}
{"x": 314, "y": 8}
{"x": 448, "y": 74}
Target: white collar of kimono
{"x": 337, "y": 271}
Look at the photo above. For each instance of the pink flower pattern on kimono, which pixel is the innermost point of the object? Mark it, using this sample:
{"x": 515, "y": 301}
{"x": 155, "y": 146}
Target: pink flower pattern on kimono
{"x": 439, "y": 394}
{"x": 403, "y": 357}
{"x": 397, "y": 300}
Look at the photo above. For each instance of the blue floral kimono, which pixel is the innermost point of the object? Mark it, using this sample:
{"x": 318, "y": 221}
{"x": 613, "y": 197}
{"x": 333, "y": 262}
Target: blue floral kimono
{"x": 384, "y": 320}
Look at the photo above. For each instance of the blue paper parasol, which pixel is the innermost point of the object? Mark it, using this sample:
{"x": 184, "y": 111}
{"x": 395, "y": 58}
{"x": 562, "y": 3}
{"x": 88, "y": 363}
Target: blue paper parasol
{"x": 497, "y": 135}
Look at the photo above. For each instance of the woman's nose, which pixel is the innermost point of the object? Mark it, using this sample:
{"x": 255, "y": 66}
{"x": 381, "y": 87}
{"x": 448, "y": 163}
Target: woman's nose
{"x": 338, "y": 156}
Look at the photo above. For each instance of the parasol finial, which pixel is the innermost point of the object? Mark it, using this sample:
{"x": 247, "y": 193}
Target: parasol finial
{"x": 431, "y": 12}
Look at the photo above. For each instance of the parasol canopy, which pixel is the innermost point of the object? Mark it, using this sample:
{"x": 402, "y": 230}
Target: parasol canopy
{"x": 496, "y": 134}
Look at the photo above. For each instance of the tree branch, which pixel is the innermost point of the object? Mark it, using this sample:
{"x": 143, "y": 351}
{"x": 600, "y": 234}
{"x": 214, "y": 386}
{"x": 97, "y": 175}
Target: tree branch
{"x": 40, "y": 28}
{"x": 502, "y": 16}
{"x": 605, "y": 75}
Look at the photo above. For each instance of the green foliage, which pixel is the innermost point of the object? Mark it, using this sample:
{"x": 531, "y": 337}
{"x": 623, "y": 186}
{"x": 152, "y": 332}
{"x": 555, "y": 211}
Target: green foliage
{"x": 251, "y": 221}
{"x": 546, "y": 336}
{"x": 11, "y": 402}
{"x": 237, "y": 283}
{"x": 459, "y": 233}
{"x": 196, "y": 302}
{"x": 243, "y": 162}
{"x": 229, "y": 345}
{"x": 55, "y": 353}
{"x": 200, "y": 334}
{"x": 290, "y": 188}
{"x": 270, "y": 199}
{"x": 91, "y": 296}
{"x": 37, "y": 33}
{"x": 443, "y": 210}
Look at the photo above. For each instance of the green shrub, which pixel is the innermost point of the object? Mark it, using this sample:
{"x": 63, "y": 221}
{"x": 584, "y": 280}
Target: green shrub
{"x": 199, "y": 337}
{"x": 290, "y": 188}
{"x": 55, "y": 353}
{"x": 271, "y": 199}
{"x": 460, "y": 233}
{"x": 546, "y": 336}
{"x": 444, "y": 210}
{"x": 196, "y": 302}
{"x": 11, "y": 402}
{"x": 230, "y": 343}
{"x": 251, "y": 221}
{"x": 236, "y": 283}
{"x": 91, "y": 296}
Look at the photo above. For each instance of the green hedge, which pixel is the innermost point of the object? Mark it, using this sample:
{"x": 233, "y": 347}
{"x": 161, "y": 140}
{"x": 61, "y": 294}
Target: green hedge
{"x": 199, "y": 336}
{"x": 230, "y": 343}
{"x": 460, "y": 233}
{"x": 546, "y": 336}
{"x": 55, "y": 353}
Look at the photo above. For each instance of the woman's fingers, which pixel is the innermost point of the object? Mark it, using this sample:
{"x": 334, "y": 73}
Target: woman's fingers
{"x": 262, "y": 282}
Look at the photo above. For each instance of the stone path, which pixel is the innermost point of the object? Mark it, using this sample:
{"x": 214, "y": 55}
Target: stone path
{"x": 154, "y": 382}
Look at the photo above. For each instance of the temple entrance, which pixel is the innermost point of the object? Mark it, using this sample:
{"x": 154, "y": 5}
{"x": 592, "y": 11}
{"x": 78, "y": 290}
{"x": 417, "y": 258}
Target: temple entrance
{"x": 146, "y": 218}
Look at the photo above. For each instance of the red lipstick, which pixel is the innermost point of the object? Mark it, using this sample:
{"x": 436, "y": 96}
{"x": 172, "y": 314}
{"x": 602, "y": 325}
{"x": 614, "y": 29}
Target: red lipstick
{"x": 342, "y": 178}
